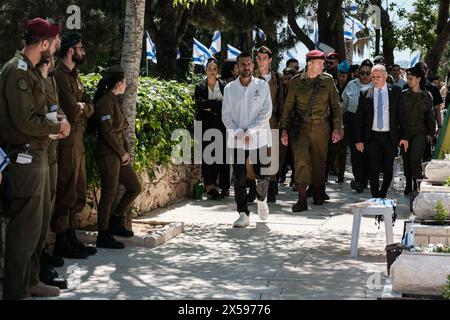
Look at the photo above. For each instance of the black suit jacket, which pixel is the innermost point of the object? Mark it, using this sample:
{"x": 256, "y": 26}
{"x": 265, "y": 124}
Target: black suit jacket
{"x": 363, "y": 120}
{"x": 212, "y": 118}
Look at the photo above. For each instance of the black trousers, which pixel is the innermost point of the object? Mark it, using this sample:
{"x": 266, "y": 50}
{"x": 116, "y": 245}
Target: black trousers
{"x": 381, "y": 153}
{"x": 360, "y": 165}
{"x": 211, "y": 172}
{"x": 258, "y": 158}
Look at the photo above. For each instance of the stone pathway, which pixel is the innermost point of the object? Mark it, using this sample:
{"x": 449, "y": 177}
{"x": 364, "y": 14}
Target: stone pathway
{"x": 291, "y": 256}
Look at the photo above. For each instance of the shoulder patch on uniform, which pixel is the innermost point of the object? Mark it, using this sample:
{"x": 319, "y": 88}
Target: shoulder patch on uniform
{"x": 106, "y": 118}
{"x": 405, "y": 90}
{"x": 22, "y": 84}
{"x": 54, "y": 108}
{"x": 22, "y": 65}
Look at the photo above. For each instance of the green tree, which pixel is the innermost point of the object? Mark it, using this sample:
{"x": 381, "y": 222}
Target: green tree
{"x": 428, "y": 30}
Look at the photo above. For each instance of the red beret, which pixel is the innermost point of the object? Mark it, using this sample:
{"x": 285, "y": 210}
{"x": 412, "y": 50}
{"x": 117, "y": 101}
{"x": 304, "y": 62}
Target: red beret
{"x": 315, "y": 54}
{"x": 43, "y": 28}
{"x": 332, "y": 55}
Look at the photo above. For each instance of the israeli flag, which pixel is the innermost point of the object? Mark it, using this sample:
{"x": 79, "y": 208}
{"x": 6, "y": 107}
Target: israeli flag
{"x": 415, "y": 57}
{"x": 4, "y": 160}
{"x": 233, "y": 52}
{"x": 258, "y": 33}
{"x": 216, "y": 45}
{"x": 290, "y": 55}
{"x": 151, "y": 49}
{"x": 200, "y": 54}
{"x": 353, "y": 8}
{"x": 348, "y": 28}
{"x": 310, "y": 14}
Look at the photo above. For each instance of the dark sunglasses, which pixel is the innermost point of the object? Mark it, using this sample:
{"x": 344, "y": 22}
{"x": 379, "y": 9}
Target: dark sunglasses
{"x": 362, "y": 73}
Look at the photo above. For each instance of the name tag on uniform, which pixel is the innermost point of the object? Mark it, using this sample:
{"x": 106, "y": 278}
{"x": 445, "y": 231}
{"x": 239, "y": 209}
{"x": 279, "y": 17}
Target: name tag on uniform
{"x": 24, "y": 158}
{"x": 106, "y": 118}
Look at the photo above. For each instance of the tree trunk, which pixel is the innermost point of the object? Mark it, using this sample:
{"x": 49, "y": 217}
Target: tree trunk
{"x": 131, "y": 61}
{"x": 292, "y": 21}
{"x": 434, "y": 56}
{"x": 389, "y": 40}
{"x": 331, "y": 25}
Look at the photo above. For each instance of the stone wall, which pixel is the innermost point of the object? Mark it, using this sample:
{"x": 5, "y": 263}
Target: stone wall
{"x": 170, "y": 185}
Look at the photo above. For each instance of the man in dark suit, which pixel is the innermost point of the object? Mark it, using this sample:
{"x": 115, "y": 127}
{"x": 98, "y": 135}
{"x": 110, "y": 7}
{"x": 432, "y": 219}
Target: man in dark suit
{"x": 379, "y": 128}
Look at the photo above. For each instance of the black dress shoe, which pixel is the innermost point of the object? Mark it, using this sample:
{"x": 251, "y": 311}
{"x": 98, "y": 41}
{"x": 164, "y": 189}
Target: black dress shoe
{"x": 357, "y": 186}
{"x": 225, "y": 193}
{"x": 50, "y": 277}
{"x": 215, "y": 195}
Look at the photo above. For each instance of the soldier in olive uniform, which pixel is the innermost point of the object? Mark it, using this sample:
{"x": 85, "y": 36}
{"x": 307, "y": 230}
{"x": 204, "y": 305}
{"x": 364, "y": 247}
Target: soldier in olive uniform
{"x": 420, "y": 126}
{"x": 71, "y": 186}
{"x": 312, "y": 143}
{"x": 275, "y": 80}
{"x": 113, "y": 158}
{"x": 48, "y": 274}
{"x": 25, "y": 134}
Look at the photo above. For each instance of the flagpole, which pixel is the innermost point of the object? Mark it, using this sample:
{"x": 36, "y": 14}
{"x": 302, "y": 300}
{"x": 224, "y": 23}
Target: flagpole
{"x": 146, "y": 68}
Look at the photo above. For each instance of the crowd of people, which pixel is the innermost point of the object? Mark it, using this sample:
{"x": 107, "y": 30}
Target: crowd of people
{"x": 317, "y": 114}
{"x": 44, "y": 112}
{"x": 377, "y": 112}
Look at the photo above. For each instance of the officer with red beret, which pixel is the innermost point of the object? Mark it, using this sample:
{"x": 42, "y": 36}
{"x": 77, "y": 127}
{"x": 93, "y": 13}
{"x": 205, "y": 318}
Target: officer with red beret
{"x": 25, "y": 138}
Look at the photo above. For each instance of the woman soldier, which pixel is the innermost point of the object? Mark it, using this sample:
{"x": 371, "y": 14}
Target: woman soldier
{"x": 113, "y": 159}
{"x": 420, "y": 126}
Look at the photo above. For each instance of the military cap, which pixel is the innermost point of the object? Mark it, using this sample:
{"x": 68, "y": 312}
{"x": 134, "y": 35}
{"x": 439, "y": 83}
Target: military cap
{"x": 333, "y": 55}
{"x": 367, "y": 63}
{"x": 43, "y": 28}
{"x": 68, "y": 40}
{"x": 379, "y": 60}
{"x": 315, "y": 54}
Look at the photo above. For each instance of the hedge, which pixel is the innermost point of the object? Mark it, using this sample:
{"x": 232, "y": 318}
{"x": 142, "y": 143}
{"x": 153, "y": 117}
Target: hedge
{"x": 162, "y": 107}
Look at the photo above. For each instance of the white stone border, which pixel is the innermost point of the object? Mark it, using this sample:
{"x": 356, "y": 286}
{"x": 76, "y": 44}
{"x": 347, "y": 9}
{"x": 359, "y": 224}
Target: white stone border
{"x": 156, "y": 238}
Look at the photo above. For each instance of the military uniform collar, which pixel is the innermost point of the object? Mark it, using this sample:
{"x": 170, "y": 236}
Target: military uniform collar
{"x": 23, "y": 57}
{"x": 66, "y": 69}
{"x": 114, "y": 97}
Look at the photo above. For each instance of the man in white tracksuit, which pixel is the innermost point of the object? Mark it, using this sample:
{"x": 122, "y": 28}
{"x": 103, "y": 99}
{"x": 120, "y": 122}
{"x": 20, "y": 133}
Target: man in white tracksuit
{"x": 246, "y": 111}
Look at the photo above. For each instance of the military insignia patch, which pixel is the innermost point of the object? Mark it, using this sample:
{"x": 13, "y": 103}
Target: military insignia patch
{"x": 106, "y": 118}
{"x": 22, "y": 65}
{"x": 22, "y": 84}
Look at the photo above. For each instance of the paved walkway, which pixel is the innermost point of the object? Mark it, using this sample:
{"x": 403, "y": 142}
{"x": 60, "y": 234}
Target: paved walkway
{"x": 292, "y": 256}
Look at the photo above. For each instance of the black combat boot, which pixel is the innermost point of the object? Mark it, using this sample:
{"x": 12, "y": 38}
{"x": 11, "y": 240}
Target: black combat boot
{"x": 251, "y": 197}
{"x": 302, "y": 203}
{"x": 323, "y": 193}
{"x": 65, "y": 248}
{"x": 106, "y": 240}
{"x": 271, "y": 192}
{"x": 116, "y": 227}
{"x": 48, "y": 274}
{"x": 72, "y": 236}
{"x": 317, "y": 196}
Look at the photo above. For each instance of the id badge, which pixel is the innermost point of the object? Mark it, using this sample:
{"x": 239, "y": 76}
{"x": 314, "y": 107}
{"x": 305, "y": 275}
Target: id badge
{"x": 24, "y": 158}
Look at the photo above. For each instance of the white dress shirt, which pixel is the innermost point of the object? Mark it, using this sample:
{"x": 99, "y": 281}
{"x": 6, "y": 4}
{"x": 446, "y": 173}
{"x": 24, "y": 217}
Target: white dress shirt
{"x": 385, "y": 95}
{"x": 215, "y": 94}
{"x": 247, "y": 109}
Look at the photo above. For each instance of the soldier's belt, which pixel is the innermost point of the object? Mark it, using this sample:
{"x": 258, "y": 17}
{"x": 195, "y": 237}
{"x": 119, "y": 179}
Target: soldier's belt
{"x": 317, "y": 121}
{"x": 37, "y": 145}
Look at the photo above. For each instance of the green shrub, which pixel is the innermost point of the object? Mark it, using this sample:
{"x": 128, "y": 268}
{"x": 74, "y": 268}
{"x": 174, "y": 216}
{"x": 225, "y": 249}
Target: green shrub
{"x": 446, "y": 293}
{"x": 441, "y": 212}
{"x": 162, "y": 107}
{"x": 447, "y": 182}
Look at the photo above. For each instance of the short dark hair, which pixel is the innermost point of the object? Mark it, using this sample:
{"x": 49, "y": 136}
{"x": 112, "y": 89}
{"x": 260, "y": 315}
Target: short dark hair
{"x": 243, "y": 55}
{"x": 31, "y": 39}
{"x": 290, "y": 61}
{"x": 265, "y": 50}
{"x": 227, "y": 69}
{"x": 395, "y": 66}
{"x": 212, "y": 60}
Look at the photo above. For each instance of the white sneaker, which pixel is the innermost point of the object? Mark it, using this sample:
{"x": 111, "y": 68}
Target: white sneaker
{"x": 243, "y": 221}
{"x": 263, "y": 210}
